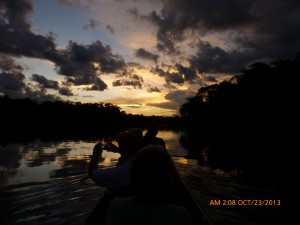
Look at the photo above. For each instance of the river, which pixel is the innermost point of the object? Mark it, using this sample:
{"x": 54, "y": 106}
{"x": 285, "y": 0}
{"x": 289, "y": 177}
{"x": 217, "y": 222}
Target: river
{"x": 46, "y": 182}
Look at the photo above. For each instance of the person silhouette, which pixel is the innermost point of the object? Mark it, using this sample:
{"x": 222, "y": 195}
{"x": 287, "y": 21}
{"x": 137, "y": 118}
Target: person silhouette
{"x": 151, "y": 139}
{"x": 151, "y": 172}
{"x": 137, "y": 132}
{"x": 115, "y": 179}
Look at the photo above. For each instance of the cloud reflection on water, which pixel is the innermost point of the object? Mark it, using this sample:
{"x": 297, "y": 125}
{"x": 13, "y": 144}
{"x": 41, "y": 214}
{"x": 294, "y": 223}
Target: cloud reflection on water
{"x": 45, "y": 160}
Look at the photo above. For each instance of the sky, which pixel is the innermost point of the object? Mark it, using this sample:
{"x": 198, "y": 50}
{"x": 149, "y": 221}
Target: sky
{"x": 146, "y": 56}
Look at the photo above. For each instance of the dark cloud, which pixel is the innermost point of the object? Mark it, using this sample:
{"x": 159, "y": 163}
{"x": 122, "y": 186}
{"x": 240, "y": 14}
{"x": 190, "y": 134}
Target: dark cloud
{"x": 206, "y": 14}
{"x": 129, "y": 79}
{"x": 133, "y": 64}
{"x": 210, "y": 59}
{"x": 66, "y": 91}
{"x": 135, "y": 13}
{"x": 82, "y": 64}
{"x": 44, "y": 82}
{"x": 174, "y": 78}
{"x": 169, "y": 77}
{"x": 178, "y": 96}
{"x": 11, "y": 82}
{"x": 188, "y": 72}
{"x": 254, "y": 29}
{"x": 81, "y": 79}
{"x": 276, "y": 32}
{"x": 135, "y": 106}
{"x": 80, "y": 59}
{"x": 92, "y": 24}
{"x": 210, "y": 78}
{"x": 175, "y": 99}
{"x": 146, "y": 55}
{"x": 169, "y": 86}
{"x": 179, "y": 16}
{"x": 41, "y": 95}
{"x": 165, "y": 38}
{"x": 74, "y": 3}
{"x": 13, "y": 85}
{"x": 110, "y": 29}
{"x": 164, "y": 105}
{"x": 127, "y": 82}
{"x": 8, "y": 64}
{"x": 98, "y": 85}
{"x": 182, "y": 74}
{"x": 153, "y": 89}
{"x": 16, "y": 36}
{"x": 136, "y": 65}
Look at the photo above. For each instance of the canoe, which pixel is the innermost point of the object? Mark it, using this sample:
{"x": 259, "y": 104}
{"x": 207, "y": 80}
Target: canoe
{"x": 180, "y": 195}
{"x": 183, "y": 196}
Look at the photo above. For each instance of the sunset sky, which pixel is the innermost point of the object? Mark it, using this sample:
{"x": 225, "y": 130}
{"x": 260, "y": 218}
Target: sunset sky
{"x": 146, "y": 56}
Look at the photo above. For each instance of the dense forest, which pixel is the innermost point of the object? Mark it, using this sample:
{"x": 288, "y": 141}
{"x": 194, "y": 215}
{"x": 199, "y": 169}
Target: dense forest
{"x": 250, "y": 121}
{"x": 25, "y": 118}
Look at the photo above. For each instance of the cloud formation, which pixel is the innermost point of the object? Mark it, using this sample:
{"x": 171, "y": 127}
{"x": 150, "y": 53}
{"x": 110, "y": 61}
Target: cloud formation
{"x": 210, "y": 59}
{"x": 81, "y": 64}
{"x": 98, "y": 85}
{"x": 110, "y": 29}
{"x": 75, "y": 3}
{"x": 178, "y": 96}
{"x": 65, "y": 91}
{"x": 188, "y": 73}
{"x": 8, "y": 64}
{"x": 44, "y": 82}
{"x": 175, "y": 99}
{"x": 153, "y": 89}
{"x": 251, "y": 30}
{"x": 14, "y": 85}
{"x": 129, "y": 79}
{"x": 92, "y": 24}
{"x": 146, "y": 55}
{"x": 16, "y": 36}
{"x": 11, "y": 82}
{"x": 170, "y": 77}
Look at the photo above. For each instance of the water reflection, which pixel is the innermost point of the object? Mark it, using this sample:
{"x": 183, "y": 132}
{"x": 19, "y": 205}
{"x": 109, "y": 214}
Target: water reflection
{"x": 172, "y": 139}
{"x": 42, "y": 161}
{"x": 47, "y": 183}
{"x": 10, "y": 161}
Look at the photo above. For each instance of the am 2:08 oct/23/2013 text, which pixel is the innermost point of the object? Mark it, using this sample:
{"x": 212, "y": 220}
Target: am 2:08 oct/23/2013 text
{"x": 245, "y": 202}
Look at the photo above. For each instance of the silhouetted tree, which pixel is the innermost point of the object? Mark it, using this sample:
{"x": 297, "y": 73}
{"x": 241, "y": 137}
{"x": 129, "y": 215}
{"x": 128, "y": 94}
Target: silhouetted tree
{"x": 24, "y": 117}
{"x": 247, "y": 121}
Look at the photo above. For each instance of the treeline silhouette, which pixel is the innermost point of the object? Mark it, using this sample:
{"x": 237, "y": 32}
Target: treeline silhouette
{"x": 249, "y": 121}
{"x": 25, "y": 119}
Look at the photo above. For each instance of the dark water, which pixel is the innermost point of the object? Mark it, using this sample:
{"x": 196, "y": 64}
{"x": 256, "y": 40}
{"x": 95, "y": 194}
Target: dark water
{"x": 46, "y": 183}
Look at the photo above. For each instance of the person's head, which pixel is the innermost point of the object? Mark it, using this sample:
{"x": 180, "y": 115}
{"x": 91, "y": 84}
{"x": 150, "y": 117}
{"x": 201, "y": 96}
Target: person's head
{"x": 137, "y": 132}
{"x": 128, "y": 144}
{"x": 151, "y": 173}
{"x": 152, "y": 131}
